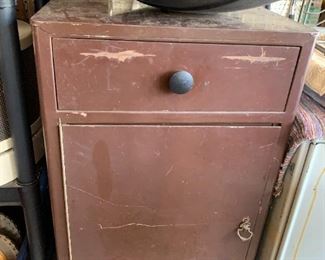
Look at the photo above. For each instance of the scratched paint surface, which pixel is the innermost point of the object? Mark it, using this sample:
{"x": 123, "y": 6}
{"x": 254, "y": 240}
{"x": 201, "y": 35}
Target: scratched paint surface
{"x": 118, "y": 56}
{"x": 263, "y": 58}
{"x": 131, "y": 12}
{"x": 99, "y": 75}
{"x": 163, "y": 193}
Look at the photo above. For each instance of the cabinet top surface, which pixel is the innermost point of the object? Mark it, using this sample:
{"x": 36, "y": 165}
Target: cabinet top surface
{"x": 132, "y": 12}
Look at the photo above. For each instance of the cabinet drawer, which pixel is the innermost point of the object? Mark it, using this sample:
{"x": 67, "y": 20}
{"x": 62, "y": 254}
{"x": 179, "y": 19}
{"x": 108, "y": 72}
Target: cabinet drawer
{"x": 164, "y": 192}
{"x": 104, "y": 75}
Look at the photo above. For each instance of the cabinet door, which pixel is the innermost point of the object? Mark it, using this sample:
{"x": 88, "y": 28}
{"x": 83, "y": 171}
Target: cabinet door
{"x": 163, "y": 192}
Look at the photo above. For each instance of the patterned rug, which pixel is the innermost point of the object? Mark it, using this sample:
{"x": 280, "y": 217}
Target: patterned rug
{"x": 308, "y": 126}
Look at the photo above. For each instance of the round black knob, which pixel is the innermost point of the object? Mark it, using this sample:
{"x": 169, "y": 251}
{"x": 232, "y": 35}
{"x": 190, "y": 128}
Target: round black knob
{"x": 181, "y": 82}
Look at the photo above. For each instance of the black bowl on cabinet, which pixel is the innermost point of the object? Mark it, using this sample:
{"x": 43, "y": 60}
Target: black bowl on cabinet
{"x": 219, "y": 5}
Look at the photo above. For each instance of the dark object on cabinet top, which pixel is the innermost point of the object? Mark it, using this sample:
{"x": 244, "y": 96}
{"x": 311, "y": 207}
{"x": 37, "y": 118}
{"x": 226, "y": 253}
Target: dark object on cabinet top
{"x": 219, "y": 5}
{"x": 77, "y": 13}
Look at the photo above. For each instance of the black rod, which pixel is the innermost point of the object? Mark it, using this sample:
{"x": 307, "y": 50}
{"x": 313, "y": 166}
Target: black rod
{"x": 34, "y": 221}
{"x": 15, "y": 102}
{"x": 20, "y": 130}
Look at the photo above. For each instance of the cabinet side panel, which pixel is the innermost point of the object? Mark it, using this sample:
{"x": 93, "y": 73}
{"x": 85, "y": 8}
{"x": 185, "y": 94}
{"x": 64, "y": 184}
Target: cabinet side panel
{"x": 43, "y": 52}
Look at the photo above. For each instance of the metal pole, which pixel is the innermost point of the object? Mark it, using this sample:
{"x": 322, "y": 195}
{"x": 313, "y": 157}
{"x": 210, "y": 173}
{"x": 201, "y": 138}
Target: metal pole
{"x": 20, "y": 130}
{"x": 15, "y": 102}
{"x": 34, "y": 219}
{"x": 291, "y": 9}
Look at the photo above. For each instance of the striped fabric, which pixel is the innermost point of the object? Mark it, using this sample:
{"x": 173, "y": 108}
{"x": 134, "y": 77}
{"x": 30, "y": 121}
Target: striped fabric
{"x": 308, "y": 126}
{"x": 4, "y": 124}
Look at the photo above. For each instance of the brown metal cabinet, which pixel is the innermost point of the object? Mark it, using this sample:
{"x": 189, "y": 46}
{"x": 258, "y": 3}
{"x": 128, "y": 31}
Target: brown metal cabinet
{"x": 139, "y": 172}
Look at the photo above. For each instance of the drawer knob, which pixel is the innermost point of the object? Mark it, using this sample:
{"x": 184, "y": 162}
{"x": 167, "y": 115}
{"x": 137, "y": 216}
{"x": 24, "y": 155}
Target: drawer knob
{"x": 181, "y": 82}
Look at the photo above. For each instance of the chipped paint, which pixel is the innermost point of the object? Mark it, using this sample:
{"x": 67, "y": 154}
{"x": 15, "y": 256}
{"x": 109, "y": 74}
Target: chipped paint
{"x": 206, "y": 83}
{"x": 83, "y": 114}
{"x": 169, "y": 170}
{"x": 266, "y": 146}
{"x": 118, "y": 56}
{"x": 234, "y": 68}
{"x": 255, "y": 59}
{"x": 149, "y": 226}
